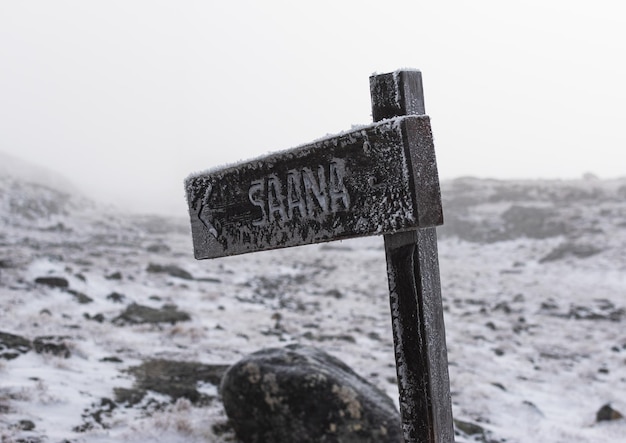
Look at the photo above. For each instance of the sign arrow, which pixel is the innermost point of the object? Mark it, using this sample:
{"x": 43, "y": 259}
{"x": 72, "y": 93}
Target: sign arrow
{"x": 204, "y": 205}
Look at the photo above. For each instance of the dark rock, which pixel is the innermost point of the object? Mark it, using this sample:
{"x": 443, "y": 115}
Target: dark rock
{"x": 14, "y": 258}
{"x": 499, "y": 386}
{"x": 591, "y": 313}
{"x": 468, "y": 428}
{"x": 114, "y": 276}
{"x": 171, "y": 270}
{"x": 504, "y": 307}
{"x": 129, "y": 397}
{"x": 80, "y": 297}
{"x": 302, "y": 394}
{"x": 95, "y": 416}
{"x": 12, "y": 346}
{"x": 178, "y": 379}
{"x": 209, "y": 280}
{"x": 607, "y": 413}
{"x": 52, "y": 344}
{"x": 116, "y": 297}
{"x": 53, "y": 282}
{"x": 138, "y": 314}
{"x": 98, "y": 317}
{"x": 576, "y": 250}
{"x": 26, "y": 425}
{"x": 111, "y": 359}
{"x": 158, "y": 248}
{"x": 334, "y": 293}
{"x": 533, "y": 407}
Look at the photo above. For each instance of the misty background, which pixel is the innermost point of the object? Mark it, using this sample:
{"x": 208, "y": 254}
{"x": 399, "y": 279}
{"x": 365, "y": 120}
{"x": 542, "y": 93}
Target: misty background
{"x": 126, "y": 99}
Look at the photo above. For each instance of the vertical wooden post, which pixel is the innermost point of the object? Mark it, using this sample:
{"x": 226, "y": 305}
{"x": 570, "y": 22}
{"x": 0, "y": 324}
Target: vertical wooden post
{"x": 415, "y": 294}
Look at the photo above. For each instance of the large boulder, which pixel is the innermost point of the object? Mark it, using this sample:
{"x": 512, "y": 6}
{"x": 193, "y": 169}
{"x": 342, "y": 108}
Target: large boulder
{"x": 302, "y": 394}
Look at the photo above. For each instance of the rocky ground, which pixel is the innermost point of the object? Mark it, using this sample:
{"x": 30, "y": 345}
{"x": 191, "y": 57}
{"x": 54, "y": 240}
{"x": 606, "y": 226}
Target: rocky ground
{"x": 111, "y": 331}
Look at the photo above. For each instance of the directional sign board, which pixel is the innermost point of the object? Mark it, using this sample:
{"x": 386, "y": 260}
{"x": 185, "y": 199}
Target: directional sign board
{"x": 374, "y": 180}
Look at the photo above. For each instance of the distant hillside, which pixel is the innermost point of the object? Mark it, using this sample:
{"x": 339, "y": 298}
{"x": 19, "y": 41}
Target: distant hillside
{"x": 488, "y": 211}
{"x": 31, "y": 173}
{"x": 31, "y": 195}
{"x": 475, "y": 210}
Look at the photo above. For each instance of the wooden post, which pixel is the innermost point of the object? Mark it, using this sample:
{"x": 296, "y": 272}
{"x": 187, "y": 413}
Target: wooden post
{"x": 415, "y": 291}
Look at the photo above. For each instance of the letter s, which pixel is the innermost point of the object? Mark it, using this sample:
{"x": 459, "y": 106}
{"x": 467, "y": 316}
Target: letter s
{"x": 255, "y": 194}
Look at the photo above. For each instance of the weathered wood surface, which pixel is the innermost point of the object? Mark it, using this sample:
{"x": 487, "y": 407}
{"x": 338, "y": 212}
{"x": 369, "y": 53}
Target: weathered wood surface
{"x": 370, "y": 181}
{"x": 415, "y": 292}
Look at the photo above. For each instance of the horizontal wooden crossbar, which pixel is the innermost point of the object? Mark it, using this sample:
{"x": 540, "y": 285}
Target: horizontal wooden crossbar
{"x": 374, "y": 180}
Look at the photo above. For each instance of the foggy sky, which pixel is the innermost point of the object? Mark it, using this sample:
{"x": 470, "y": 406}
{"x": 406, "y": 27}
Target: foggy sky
{"x": 127, "y": 98}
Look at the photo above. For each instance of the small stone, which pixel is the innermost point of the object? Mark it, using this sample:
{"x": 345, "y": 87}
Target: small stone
{"x": 499, "y": 386}
{"x": 158, "y": 248}
{"x": 53, "y": 282}
{"x": 129, "y": 397}
{"x": 114, "y": 276}
{"x": 504, "y": 307}
{"x": 98, "y": 317}
{"x": 138, "y": 314}
{"x": 12, "y": 346}
{"x": 468, "y": 428}
{"x": 116, "y": 297}
{"x": 52, "y": 344}
{"x": 26, "y": 425}
{"x": 171, "y": 270}
{"x": 80, "y": 297}
{"x": 607, "y": 413}
{"x": 334, "y": 293}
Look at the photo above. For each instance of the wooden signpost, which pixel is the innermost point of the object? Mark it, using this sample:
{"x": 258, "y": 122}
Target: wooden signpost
{"x": 378, "y": 180}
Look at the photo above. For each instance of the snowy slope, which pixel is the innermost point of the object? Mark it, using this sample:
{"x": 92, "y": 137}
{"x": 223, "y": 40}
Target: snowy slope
{"x": 534, "y": 286}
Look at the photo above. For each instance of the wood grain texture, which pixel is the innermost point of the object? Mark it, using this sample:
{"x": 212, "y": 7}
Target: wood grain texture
{"x": 363, "y": 182}
{"x": 414, "y": 284}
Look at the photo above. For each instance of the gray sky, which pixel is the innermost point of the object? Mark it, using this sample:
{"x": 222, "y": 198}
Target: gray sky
{"x": 126, "y": 98}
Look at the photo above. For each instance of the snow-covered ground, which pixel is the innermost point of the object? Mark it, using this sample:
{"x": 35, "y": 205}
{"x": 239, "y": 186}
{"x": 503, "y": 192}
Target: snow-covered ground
{"x": 533, "y": 280}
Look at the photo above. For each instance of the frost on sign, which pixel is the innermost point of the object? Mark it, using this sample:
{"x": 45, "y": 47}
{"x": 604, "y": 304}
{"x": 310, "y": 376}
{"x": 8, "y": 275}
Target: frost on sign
{"x": 371, "y": 181}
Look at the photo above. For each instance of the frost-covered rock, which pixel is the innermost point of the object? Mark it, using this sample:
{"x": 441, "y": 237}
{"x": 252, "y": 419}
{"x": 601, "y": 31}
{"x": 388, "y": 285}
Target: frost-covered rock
{"x": 12, "y": 346}
{"x": 171, "y": 270}
{"x": 302, "y": 394}
{"x": 53, "y": 344}
{"x": 176, "y": 379}
{"x": 53, "y": 282}
{"x": 137, "y": 314}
